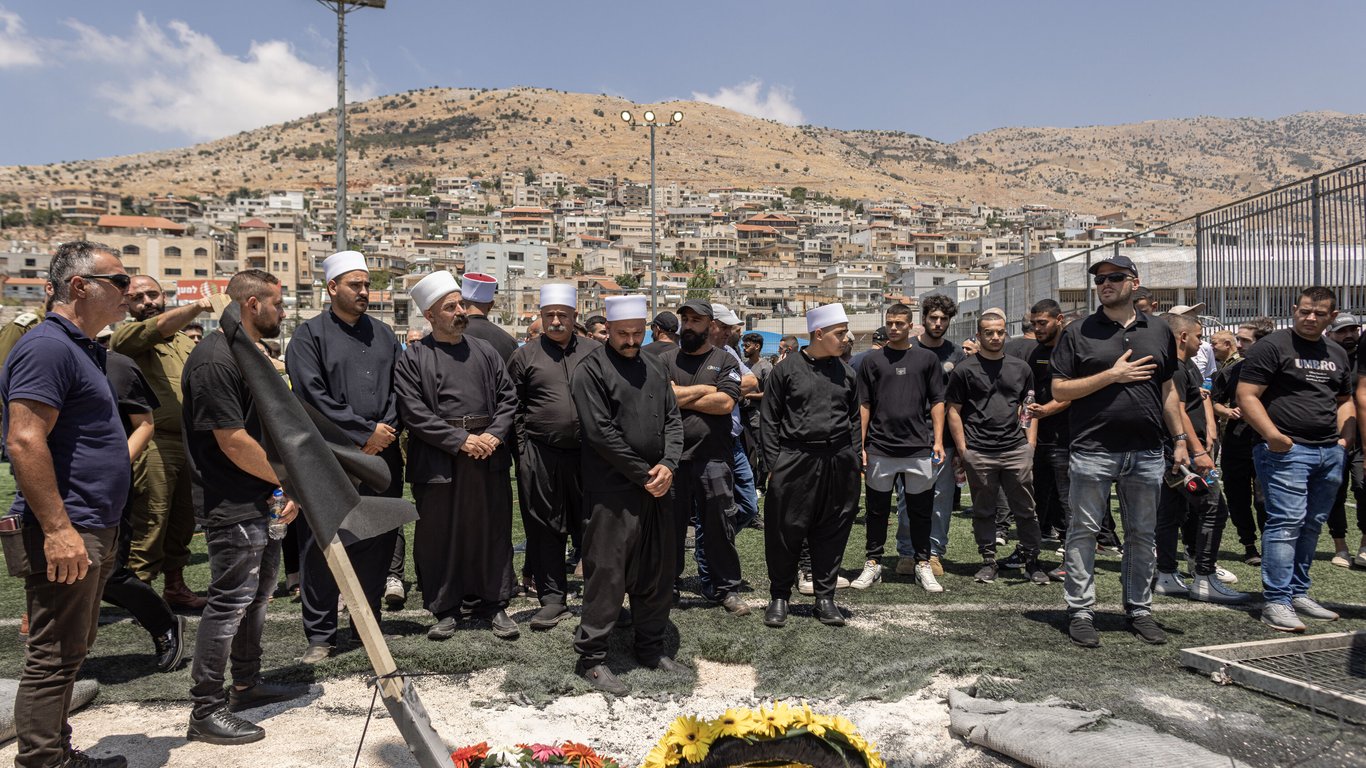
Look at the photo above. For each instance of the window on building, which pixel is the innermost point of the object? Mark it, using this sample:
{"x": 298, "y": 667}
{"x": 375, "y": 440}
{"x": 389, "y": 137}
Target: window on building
{"x": 201, "y": 273}
{"x": 173, "y": 252}
{"x": 201, "y": 252}
{"x": 30, "y": 262}
{"x": 172, "y": 271}
{"x": 131, "y": 250}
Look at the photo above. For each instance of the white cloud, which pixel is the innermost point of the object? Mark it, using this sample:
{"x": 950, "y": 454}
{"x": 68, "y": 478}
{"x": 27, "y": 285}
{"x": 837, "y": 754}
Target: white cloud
{"x": 17, "y": 49}
{"x": 177, "y": 79}
{"x": 775, "y": 104}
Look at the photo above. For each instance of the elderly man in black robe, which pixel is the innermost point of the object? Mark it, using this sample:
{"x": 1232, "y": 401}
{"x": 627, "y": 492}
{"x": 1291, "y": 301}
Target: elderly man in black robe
{"x": 812, "y": 436}
{"x": 632, "y": 441}
{"x": 548, "y": 475}
{"x": 457, "y": 402}
{"x": 341, "y": 362}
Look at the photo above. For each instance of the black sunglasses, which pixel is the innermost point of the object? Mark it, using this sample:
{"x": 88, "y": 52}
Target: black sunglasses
{"x": 120, "y": 282}
{"x": 1112, "y": 277}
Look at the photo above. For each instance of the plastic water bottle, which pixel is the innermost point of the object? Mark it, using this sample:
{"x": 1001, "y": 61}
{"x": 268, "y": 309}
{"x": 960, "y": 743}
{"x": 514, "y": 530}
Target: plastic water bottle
{"x": 1212, "y": 476}
{"x": 1208, "y": 384}
{"x": 1025, "y": 417}
{"x": 277, "y": 530}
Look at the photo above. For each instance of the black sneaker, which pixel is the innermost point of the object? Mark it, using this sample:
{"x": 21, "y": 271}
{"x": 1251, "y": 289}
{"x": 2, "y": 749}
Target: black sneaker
{"x": 987, "y": 573}
{"x": 1145, "y": 626}
{"x": 1251, "y": 556}
{"x": 223, "y": 727}
{"x": 77, "y": 759}
{"x": 1083, "y": 631}
{"x": 443, "y": 629}
{"x": 1036, "y": 572}
{"x": 170, "y": 646}
{"x": 263, "y": 693}
{"x": 1015, "y": 562}
{"x": 549, "y": 617}
{"x": 504, "y": 628}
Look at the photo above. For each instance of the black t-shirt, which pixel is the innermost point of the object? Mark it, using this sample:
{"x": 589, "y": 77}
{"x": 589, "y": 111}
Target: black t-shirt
{"x": 1020, "y": 347}
{"x": 1188, "y": 381}
{"x": 899, "y": 386}
{"x": 1224, "y": 391}
{"x": 990, "y": 393}
{"x": 705, "y": 436}
{"x": 1053, "y": 430}
{"x": 948, "y": 354}
{"x": 216, "y": 397}
{"x": 1118, "y": 417}
{"x": 131, "y": 389}
{"x": 1303, "y": 380}
{"x": 659, "y": 347}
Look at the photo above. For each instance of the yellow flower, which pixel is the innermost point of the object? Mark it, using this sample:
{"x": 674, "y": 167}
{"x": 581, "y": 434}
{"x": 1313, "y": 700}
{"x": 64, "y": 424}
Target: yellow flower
{"x": 662, "y": 756}
{"x": 811, "y": 721}
{"x": 843, "y": 725}
{"x": 735, "y": 722}
{"x": 692, "y": 737}
{"x": 873, "y": 757}
{"x": 776, "y": 721}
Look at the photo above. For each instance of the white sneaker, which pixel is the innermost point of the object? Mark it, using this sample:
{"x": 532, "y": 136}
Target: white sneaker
{"x": 1342, "y": 559}
{"x": 394, "y": 593}
{"x": 1210, "y": 590}
{"x": 1226, "y": 576}
{"x": 872, "y": 574}
{"x": 1305, "y": 606}
{"x": 841, "y": 582}
{"x": 1170, "y": 584}
{"x": 804, "y": 583}
{"x": 1360, "y": 559}
{"x": 925, "y": 576}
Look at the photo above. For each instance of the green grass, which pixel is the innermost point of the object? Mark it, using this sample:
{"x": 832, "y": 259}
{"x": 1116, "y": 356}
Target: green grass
{"x": 898, "y": 639}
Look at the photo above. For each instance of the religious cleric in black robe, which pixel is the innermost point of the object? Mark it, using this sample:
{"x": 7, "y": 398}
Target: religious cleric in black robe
{"x": 632, "y": 438}
{"x": 476, "y": 292}
{"x": 341, "y": 362}
{"x": 811, "y": 434}
{"x": 456, "y": 401}
{"x": 548, "y": 474}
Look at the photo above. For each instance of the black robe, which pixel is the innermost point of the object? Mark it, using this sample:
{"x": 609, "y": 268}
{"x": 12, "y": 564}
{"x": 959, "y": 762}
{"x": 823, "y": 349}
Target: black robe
{"x": 482, "y": 328}
{"x": 462, "y": 545}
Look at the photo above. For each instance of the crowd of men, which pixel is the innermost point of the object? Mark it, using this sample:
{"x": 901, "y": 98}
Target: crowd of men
{"x": 627, "y": 454}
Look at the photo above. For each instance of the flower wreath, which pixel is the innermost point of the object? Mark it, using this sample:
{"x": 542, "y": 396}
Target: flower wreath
{"x": 770, "y": 735}
{"x": 531, "y": 756}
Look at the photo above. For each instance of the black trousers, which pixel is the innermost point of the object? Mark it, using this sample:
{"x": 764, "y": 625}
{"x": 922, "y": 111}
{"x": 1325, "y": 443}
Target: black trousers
{"x": 1049, "y": 508}
{"x": 812, "y": 500}
{"x": 1199, "y": 521}
{"x": 370, "y": 558}
{"x": 919, "y": 510}
{"x": 704, "y": 493}
{"x": 550, "y": 489}
{"x": 628, "y": 548}
{"x": 1353, "y": 478}
{"x": 1242, "y": 490}
{"x": 132, "y": 594}
{"x": 1008, "y": 474}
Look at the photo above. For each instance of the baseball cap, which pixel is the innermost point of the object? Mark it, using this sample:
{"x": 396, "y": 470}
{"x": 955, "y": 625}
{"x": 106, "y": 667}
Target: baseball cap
{"x": 699, "y": 307}
{"x": 880, "y": 334}
{"x": 666, "y": 321}
{"x": 724, "y": 316}
{"x": 1344, "y": 320}
{"x": 1123, "y": 262}
{"x": 1187, "y": 309}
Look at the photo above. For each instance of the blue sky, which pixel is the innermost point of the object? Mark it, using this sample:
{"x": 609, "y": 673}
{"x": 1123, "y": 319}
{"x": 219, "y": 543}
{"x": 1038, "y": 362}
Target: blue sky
{"x": 91, "y": 78}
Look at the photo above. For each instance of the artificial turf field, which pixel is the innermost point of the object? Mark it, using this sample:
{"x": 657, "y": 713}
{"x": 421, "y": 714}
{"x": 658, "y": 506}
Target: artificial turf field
{"x": 898, "y": 638}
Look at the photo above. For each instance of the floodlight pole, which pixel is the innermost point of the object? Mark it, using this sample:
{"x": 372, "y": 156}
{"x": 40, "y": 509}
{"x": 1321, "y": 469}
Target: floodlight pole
{"x": 652, "y": 123}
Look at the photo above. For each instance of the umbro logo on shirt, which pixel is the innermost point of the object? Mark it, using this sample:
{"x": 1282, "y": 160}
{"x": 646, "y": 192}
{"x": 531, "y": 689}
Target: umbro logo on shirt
{"x": 901, "y": 371}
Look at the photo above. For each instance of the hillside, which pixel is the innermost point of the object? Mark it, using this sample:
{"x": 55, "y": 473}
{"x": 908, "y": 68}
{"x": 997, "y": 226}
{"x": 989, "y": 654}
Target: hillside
{"x": 1172, "y": 166}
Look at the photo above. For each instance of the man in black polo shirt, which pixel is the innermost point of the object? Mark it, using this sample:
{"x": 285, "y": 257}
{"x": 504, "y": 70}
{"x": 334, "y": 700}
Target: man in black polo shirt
{"x": 66, "y": 443}
{"x": 706, "y": 384}
{"x": 1296, "y": 392}
{"x": 984, "y": 397}
{"x": 1115, "y": 366}
{"x": 901, "y": 409}
{"x": 233, "y": 482}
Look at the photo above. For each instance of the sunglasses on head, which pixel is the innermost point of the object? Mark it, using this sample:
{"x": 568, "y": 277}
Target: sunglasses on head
{"x": 120, "y": 282}
{"x": 1111, "y": 277}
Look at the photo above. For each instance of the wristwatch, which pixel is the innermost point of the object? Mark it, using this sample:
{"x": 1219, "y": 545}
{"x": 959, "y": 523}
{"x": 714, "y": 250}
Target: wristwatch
{"x": 1181, "y": 437}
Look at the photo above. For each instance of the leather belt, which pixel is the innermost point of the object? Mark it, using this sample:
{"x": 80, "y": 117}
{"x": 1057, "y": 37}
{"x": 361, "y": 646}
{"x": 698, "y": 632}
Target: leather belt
{"x": 471, "y": 422}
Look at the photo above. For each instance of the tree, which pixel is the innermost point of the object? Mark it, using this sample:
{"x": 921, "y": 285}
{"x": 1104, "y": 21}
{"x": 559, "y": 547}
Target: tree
{"x": 379, "y": 280}
{"x": 13, "y": 219}
{"x": 578, "y": 265}
{"x": 42, "y": 217}
{"x": 529, "y": 176}
{"x": 700, "y": 285}
{"x": 629, "y": 282}
{"x": 798, "y": 195}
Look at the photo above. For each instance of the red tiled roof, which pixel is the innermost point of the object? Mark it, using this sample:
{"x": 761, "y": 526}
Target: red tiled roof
{"x": 253, "y": 224}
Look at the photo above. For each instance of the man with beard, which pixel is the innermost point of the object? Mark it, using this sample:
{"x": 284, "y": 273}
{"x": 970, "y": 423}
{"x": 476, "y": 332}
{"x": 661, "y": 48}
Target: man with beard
{"x": 1115, "y": 366}
{"x": 547, "y": 426}
{"x": 233, "y": 485}
{"x": 1346, "y": 331}
{"x": 596, "y": 328}
{"x": 664, "y": 328}
{"x": 901, "y": 412}
{"x": 534, "y": 330}
{"x": 936, "y": 311}
{"x": 632, "y": 441}
{"x": 478, "y": 290}
{"x": 1242, "y": 492}
{"x": 811, "y": 433}
{"x": 162, "y": 508}
{"x": 341, "y": 362}
{"x": 1296, "y": 392}
{"x": 786, "y": 346}
{"x": 456, "y": 401}
{"x": 706, "y": 385}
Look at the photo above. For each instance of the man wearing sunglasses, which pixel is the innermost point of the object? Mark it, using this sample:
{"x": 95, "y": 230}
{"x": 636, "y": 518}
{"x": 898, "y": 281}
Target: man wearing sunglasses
{"x": 1115, "y": 366}
{"x": 162, "y": 509}
{"x": 65, "y": 439}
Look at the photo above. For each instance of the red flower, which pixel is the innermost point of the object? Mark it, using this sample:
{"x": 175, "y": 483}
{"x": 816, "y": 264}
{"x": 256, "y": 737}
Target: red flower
{"x": 581, "y": 755}
{"x": 544, "y": 753}
{"x": 465, "y": 756}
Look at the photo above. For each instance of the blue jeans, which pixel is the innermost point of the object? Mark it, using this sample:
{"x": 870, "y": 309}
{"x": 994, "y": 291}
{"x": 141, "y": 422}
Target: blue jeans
{"x": 1300, "y": 486}
{"x": 944, "y": 486}
{"x": 243, "y": 565}
{"x": 746, "y": 494}
{"x": 1139, "y": 477}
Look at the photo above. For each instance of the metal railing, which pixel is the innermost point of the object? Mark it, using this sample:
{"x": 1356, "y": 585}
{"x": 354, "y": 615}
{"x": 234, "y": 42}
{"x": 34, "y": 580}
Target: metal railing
{"x": 1247, "y": 258}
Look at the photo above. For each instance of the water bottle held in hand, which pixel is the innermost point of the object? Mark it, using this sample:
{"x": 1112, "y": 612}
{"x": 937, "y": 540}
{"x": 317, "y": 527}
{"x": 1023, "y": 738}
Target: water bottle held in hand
{"x": 1025, "y": 417}
{"x": 277, "y": 530}
{"x": 1212, "y": 477}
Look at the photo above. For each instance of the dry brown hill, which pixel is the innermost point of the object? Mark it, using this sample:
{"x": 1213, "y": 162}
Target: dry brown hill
{"x": 1170, "y": 166}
